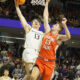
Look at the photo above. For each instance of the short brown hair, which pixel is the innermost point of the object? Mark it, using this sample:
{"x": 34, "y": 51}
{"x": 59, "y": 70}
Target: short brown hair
{"x": 60, "y": 17}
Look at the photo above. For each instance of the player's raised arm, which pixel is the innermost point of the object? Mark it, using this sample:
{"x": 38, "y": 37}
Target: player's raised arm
{"x": 0, "y": 78}
{"x": 26, "y": 26}
{"x": 45, "y": 17}
{"x": 67, "y": 35}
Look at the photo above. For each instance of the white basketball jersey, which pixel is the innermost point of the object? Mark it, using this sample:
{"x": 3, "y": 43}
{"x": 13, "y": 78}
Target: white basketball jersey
{"x": 5, "y": 78}
{"x": 33, "y": 39}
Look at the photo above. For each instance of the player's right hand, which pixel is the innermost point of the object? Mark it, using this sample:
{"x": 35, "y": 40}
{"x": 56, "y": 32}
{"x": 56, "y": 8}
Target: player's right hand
{"x": 48, "y": 1}
{"x": 15, "y": 3}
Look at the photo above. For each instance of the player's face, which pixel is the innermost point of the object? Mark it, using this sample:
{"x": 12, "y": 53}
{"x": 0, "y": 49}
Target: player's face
{"x": 56, "y": 27}
{"x": 36, "y": 24}
{"x": 6, "y": 72}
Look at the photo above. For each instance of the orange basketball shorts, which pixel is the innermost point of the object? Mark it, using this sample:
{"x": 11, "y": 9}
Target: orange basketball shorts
{"x": 46, "y": 68}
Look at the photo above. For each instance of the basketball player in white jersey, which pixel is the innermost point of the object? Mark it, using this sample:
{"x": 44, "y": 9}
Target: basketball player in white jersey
{"x": 78, "y": 78}
{"x": 6, "y": 75}
{"x": 32, "y": 42}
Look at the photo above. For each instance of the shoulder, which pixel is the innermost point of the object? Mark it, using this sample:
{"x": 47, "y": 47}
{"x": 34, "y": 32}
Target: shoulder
{"x": 9, "y": 78}
{"x": 41, "y": 32}
{"x": 38, "y": 31}
{"x": 60, "y": 37}
{"x": 28, "y": 30}
{"x": 0, "y": 78}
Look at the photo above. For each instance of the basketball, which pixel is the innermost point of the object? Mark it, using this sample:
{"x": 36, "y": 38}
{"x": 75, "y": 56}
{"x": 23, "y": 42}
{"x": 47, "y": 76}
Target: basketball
{"x": 20, "y": 2}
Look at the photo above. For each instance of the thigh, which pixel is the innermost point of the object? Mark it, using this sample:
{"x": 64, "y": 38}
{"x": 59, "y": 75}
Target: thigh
{"x": 35, "y": 73}
{"x": 28, "y": 68}
{"x": 78, "y": 78}
{"x": 29, "y": 55}
{"x": 37, "y": 69}
{"x": 47, "y": 73}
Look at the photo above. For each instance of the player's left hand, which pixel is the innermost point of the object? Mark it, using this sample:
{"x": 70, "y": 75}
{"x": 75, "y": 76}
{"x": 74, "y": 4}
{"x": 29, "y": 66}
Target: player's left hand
{"x": 64, "y": 21}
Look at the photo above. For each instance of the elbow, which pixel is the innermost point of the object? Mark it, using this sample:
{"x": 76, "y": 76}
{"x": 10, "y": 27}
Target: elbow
{"x": 69, "y": 37}
{"x": 44, "y": 16}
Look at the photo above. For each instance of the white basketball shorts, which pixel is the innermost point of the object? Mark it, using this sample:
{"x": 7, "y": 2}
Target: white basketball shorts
{"x": 30, "y": 55}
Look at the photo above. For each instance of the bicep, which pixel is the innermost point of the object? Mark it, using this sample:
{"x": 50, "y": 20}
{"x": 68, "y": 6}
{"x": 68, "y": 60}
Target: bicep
{"x": 25, "y": 24}
{"x": 27, "y": 27}
{"x": 59, "y": 42}
{"x": 46, "y": 26}
{"x": 10, "y": 79}
{"x": 0, "y": 78}
{"x": 22, "y": 19}
{"x": 46, "y": 23}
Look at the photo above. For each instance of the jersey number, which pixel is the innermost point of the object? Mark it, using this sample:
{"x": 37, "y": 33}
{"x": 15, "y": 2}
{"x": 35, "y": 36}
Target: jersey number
{"x": 37, "y": 36}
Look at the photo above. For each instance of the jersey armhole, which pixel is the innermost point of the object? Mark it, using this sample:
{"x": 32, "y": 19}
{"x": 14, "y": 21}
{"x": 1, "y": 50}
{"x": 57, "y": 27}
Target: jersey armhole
{"x": 28, "y": 31}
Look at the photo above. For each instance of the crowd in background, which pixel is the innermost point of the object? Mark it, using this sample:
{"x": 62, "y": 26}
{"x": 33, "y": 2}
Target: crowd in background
{"x": 11, "y": 60}
{"x": 68, "y": 60}
{"x": 67, "y": 63}
{"x": 71, "y": 11}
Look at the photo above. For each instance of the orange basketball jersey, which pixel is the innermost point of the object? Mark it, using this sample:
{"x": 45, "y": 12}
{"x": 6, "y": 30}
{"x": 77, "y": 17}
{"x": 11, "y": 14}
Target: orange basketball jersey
{"x": 48, "y": 46}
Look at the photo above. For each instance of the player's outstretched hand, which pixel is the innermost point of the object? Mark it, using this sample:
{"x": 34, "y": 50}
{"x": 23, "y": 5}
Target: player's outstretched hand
{"x": 48, "y": 1}
{"x": 15, "y": 3}
{"x": 64, "y": 21}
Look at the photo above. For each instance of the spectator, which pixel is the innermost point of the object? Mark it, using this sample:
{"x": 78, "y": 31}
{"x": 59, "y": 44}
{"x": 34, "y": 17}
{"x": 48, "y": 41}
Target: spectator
{"x": 71, "y": 75}
{"x": 1, "y": 63}
{"x": 18, "y": 70}
{"x": 60, "y": 77}
{"x": 6, "y": 58}
{"x": 15, "y": 77}
{"x": 6, "y": 75}
{"x": 11, "y": 69}
{"x": 3, "y": 52}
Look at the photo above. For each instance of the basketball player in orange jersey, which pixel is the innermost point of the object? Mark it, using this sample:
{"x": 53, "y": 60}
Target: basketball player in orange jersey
{"x": 45, "y": 62}
{"x": 6, "y": 75}
{"x": 32, "y": 42}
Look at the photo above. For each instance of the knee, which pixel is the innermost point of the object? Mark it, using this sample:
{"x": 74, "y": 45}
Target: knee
{"x": 33, "y": 78}
{"x": 35, "y": 73}
{"x": 30, "y": 78}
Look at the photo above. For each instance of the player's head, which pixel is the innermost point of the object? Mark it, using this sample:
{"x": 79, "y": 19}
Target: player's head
{"x": 6, "y": 72}
{"x": 60, "y": 18}
{"x": 36, "y": 23}
{"x": 58, "y": 26}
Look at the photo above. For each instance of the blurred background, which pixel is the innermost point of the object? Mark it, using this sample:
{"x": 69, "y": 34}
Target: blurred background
{"x": 12, "y": 37}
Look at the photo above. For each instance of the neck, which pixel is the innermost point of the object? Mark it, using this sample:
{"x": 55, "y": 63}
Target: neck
{"x": 36, "y": 28}
{"x": 5, "y": 75}
{"x": 55, "y": 32}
